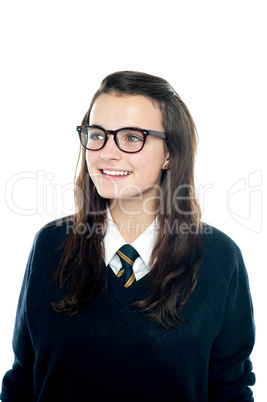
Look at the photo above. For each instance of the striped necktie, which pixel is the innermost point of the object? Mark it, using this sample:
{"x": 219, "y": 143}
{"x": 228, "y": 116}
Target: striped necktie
{"x": 128, "y": 255}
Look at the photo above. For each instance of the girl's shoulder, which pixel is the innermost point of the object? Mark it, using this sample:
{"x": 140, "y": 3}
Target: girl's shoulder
{"x": 54, "y": 233}
{"x": 221, "y": 252}
{"x": 215, "y": 238}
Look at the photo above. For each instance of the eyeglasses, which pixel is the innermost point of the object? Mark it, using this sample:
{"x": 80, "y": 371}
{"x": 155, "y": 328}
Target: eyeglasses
{"x": 128, "y": 139}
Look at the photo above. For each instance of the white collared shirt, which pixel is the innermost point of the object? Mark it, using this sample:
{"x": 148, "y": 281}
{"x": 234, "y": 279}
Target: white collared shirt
{"x": 113, "y": 241}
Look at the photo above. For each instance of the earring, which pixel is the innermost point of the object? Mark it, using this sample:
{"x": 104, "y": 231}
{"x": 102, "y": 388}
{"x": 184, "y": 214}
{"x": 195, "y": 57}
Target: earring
{"x": 166, "y": 167}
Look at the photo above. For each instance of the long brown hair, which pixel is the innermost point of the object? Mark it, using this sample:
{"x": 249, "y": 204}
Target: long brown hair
{"x": 177, "y": 252}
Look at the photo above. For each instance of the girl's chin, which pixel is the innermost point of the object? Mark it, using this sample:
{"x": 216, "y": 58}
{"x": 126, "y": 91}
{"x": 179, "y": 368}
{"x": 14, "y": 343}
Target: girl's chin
{"x": 114, "y": 191}
{"x": 118, "y": 197}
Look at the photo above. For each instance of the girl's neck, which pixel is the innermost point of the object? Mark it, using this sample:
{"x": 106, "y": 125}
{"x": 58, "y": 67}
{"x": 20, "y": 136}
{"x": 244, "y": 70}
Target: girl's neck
{"x": 130, "y": 220}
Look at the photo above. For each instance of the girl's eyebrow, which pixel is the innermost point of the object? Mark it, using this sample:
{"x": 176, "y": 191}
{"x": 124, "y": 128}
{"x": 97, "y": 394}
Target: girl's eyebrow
{"x": 96, "y": 125}
{"x": 134, "y": 127}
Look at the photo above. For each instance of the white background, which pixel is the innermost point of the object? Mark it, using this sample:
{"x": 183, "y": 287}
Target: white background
{"x": 54, "y": 55}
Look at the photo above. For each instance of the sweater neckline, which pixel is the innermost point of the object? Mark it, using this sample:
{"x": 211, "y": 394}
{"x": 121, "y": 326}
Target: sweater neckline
{"x": 125, "y": 296}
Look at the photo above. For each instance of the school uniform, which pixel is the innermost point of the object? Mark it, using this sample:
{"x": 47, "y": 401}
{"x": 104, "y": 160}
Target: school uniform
{"x": 111, "y": 352}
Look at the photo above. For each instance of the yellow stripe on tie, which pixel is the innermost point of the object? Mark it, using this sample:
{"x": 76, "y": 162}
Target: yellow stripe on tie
{"x": 120, "y": 273}
{"x": 127, "y": 259}
{"x": 129, "y": 282}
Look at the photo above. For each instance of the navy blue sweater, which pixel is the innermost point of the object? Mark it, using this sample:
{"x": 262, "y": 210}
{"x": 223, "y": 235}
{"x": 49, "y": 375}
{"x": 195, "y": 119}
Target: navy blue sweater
{"x": 109, "y": 352}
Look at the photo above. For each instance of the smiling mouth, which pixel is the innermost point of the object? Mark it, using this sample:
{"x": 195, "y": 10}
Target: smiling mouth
{"x": 116, "y": 172}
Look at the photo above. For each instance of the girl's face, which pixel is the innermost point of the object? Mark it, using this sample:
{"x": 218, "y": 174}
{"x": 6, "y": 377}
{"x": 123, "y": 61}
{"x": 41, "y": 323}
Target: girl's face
{"x": 143, "y": 168}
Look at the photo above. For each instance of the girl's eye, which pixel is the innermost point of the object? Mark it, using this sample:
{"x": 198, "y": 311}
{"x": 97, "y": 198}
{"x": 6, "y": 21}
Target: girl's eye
{"x": 96, "y": 136}
{"x": 133, "y": 138}
{"x": 128, "y": 136}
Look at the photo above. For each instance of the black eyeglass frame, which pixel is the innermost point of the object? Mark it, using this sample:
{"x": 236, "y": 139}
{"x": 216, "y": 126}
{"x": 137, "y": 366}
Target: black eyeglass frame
{"x": 145, "y": 133}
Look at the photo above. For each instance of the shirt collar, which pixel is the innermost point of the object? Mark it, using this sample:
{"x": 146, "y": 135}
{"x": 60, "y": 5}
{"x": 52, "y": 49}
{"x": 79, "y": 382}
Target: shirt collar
{"x": 113, "y": 240}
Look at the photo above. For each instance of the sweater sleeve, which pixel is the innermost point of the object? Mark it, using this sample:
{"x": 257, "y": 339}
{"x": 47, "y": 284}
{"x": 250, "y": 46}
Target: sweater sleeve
{"x": 230, "y": 366}
{"x": 17, "y": 383}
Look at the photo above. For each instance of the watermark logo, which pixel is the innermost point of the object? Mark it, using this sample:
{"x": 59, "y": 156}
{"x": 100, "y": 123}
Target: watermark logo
{"x": 37, "y": 193}
{"x": 43, "y": 196}
{"x": 244, "y": 201}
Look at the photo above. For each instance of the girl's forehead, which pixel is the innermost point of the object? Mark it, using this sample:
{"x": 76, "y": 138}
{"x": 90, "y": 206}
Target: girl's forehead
{"x": 113, "y": 111}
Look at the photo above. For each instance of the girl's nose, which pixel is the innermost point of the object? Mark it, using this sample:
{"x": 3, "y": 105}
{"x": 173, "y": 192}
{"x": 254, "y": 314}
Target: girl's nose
{"x": 110, "y": 150}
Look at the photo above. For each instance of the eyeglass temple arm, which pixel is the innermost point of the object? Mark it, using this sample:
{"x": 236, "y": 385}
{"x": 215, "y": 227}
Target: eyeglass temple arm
{"x": 157, "y": 134}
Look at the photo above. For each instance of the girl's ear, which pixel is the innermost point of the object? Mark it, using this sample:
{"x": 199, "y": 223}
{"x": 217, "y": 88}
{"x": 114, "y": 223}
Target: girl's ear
{"x": 166, "y": 163}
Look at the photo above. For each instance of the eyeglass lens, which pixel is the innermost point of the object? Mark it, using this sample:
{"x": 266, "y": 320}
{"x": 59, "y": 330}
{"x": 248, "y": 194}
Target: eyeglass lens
{"x": 129, "y": 140}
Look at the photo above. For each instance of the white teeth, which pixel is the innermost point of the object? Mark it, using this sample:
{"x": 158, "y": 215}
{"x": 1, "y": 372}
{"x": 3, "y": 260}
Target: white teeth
{"x": 116, "y": 172}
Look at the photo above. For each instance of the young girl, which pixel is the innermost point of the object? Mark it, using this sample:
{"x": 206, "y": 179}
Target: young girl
{"x": 133, "y": 298}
